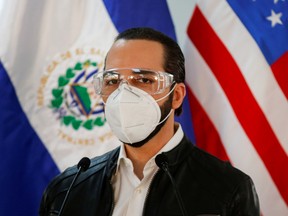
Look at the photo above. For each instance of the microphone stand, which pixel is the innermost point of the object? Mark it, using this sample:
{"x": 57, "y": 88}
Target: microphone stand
{"x": 83, "y": 165}
{"x": 162, "y": 161}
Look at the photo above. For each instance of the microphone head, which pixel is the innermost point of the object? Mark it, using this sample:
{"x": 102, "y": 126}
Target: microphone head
{"x": 161, "y": 161}
{"x": 84, "y": 164}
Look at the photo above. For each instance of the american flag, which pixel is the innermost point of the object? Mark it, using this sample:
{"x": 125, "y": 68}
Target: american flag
{"x": 237, "y": 78}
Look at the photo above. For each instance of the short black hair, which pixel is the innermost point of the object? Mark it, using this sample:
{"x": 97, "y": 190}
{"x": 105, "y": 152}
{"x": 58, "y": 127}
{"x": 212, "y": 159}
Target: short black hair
{"x": 174, "y": 61}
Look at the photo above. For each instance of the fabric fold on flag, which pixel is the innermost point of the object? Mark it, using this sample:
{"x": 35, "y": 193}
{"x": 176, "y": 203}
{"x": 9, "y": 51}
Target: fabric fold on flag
{"x": 22, "y": 154}
{"x": 50, "y": 116}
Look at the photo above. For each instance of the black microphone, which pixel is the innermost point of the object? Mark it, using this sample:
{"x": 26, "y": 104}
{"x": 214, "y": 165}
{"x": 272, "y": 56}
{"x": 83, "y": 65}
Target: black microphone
{"x": 82, "y": 166}
{"x": 162, "y": 162}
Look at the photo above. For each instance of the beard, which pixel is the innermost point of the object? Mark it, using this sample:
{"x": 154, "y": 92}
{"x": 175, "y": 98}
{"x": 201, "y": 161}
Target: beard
{"x": 165, "y": 110}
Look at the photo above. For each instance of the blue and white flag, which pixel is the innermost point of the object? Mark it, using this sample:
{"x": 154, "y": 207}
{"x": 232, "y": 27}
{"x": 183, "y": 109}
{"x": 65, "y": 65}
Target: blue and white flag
{"x": 49, "y": 115}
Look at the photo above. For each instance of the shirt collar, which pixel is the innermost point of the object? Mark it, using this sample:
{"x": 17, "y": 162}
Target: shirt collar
{"x": 172, "y": 143}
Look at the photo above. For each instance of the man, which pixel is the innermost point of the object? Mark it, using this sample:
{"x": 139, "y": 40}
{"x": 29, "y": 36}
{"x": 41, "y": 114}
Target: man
{"x": 142, "y": 87}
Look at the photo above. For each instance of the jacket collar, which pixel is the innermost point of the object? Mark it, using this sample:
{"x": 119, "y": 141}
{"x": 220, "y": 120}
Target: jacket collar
{"x": 178, "y": 154}
{"x": 175, "y": 156}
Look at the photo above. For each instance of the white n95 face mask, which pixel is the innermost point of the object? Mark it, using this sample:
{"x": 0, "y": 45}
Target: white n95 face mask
{"x": 132, "y": 114}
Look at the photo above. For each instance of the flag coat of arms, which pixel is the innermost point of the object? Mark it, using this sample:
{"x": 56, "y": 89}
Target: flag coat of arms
{"x": 50, "y": 117}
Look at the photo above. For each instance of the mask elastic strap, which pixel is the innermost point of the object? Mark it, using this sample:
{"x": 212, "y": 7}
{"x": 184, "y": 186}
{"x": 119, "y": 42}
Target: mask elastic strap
{"x": 165, "y": 117}
{"x": 167, "y": 94}
{"x": 171, "y": 109}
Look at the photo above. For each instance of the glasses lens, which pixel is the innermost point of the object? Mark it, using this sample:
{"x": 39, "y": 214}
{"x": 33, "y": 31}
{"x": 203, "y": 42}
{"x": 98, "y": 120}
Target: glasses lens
{"x": 97, "y": 82}
{"x": 149, "y": 81}
{"x": 145, "y": 80}
{"x": 111, "y": 80}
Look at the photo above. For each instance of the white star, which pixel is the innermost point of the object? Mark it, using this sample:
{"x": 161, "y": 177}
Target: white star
{"x": 276, "y": 1}
{"x": 275, "y": 18}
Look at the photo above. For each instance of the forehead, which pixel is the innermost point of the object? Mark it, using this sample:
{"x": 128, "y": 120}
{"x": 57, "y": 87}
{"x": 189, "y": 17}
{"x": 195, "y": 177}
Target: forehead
{"x": 136, "y": 54}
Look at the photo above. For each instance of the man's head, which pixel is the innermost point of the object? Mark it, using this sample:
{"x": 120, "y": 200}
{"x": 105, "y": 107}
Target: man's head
{"x": 171, "y": 58}
{"x": 142, "y": 85}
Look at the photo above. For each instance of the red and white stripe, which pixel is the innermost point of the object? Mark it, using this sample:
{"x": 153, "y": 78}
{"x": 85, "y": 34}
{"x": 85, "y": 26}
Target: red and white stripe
{"x": 239, "y": 111}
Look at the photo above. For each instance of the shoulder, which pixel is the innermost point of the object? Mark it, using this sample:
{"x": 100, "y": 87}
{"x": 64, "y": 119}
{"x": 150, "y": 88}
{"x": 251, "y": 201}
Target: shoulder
{"x": 227, "y": 183}
{"x": 219, "y": 177}
{"x": 54, "y": 194}
{"x": 215, "y": 167}
{"x": 209, "y": 170}
{"x": 214, "y": 181}
{"x": 63, "y": 180}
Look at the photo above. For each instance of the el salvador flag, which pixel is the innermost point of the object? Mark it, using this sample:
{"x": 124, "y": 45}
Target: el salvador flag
{"x": 49, "y": 116}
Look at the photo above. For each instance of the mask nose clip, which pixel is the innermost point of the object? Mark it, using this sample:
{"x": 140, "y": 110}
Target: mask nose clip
{"x": 123, "y": 81}
{"x": 124, "y": 84}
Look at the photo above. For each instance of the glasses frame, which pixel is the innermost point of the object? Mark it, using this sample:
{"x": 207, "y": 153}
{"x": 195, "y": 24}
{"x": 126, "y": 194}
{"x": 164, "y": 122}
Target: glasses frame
{"x": 165, "y": 77}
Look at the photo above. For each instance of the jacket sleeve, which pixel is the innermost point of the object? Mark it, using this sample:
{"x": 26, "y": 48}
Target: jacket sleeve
{"x": 44, "y": 208}
{"x": 55, "y": 192}
{"x": 43, "y": 205}
{"x": 245, "y": 200}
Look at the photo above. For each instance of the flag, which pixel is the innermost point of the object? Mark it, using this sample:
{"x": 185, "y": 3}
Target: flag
{"x": 237, "y": 77}
{"x": 50, "y": 117}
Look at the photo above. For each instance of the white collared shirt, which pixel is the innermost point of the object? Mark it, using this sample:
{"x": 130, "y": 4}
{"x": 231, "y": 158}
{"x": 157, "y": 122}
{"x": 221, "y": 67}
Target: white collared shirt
{"x": 129, "y": 191}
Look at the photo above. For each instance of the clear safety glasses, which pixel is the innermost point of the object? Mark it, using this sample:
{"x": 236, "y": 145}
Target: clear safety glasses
{"x": 152, "y": 82}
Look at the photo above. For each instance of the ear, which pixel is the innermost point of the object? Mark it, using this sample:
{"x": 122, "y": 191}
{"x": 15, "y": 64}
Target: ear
{"x": 178, "y": 96}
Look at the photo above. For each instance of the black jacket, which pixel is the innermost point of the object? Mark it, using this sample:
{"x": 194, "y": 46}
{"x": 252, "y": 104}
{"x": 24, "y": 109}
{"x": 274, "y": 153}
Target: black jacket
{"x": 206, "y": 184}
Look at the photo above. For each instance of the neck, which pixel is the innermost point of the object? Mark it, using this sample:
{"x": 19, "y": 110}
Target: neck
{"x": 140, "y": 156}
